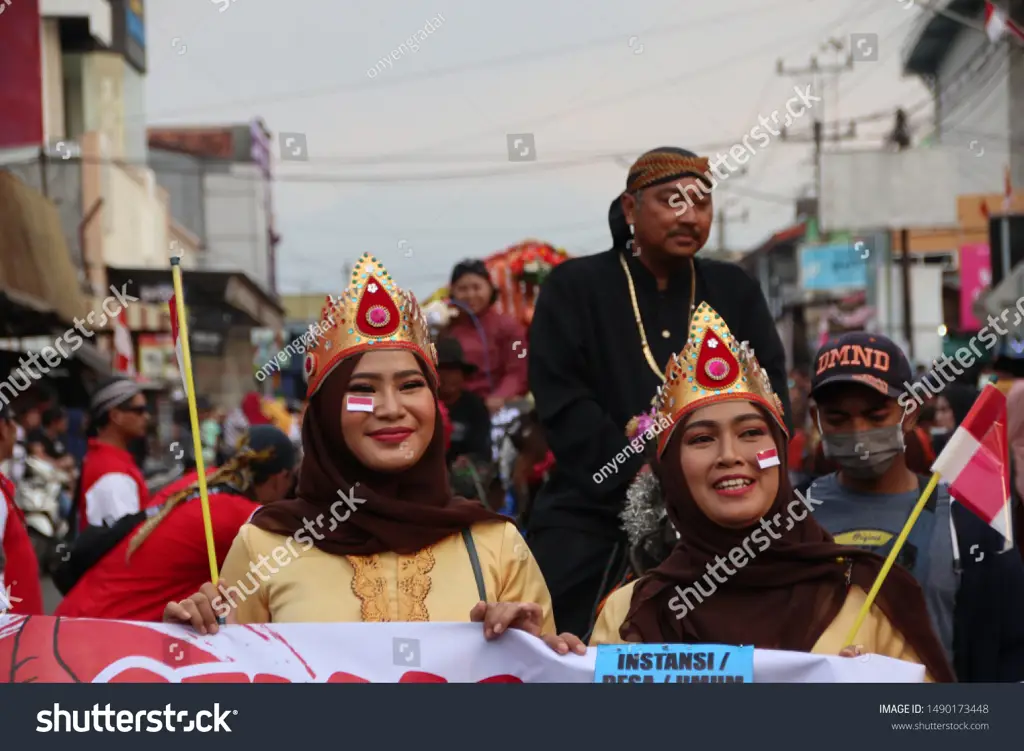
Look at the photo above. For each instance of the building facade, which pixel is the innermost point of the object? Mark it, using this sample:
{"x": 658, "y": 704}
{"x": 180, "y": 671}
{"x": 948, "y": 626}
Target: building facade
{"x": 977, "y": 89}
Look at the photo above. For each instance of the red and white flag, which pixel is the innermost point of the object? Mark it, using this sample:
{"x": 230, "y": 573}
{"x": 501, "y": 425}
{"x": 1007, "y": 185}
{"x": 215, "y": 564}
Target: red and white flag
{"x": 178, "y": 353}
{"x": 359, "y": 403}
{"x": 768, "y": 458}
{"x": 124, "y": 350}
{"x": 976, "y": 462}
{"x": 997, "y": 23}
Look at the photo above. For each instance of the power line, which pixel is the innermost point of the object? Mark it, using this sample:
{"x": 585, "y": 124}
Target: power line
{"x": 475, "y": 67}
{"x": 659, "y": 86}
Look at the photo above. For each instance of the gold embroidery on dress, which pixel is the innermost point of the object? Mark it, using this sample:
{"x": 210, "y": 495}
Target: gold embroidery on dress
{"x": 414, "y": 585}
{"x": 370, "y": 586}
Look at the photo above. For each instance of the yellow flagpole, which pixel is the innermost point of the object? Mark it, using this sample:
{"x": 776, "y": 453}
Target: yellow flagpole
{"x": 193, "y": 414}
{"x": 887, "y": 566}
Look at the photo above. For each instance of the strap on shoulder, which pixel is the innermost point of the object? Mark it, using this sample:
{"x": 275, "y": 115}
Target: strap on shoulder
{"x": 474, "y": 559}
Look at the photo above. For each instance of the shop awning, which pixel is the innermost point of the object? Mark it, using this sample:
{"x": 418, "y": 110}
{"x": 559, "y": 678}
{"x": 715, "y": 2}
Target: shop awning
{"x": 36, "y": 270}
{"x": 231, "y": 298}
{"x": 85, "y": 352}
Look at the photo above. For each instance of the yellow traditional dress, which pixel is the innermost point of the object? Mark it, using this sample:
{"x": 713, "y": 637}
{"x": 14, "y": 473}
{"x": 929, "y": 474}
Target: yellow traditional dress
{"x": 268, "y": 583}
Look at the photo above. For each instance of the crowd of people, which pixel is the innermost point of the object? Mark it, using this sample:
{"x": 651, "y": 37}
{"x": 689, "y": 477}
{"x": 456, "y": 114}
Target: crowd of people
{"x": 745, "y": 504}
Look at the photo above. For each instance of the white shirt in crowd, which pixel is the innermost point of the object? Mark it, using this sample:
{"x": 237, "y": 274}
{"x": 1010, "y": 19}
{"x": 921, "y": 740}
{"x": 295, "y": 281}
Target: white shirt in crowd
{"x": 112, "y": 496}
{"x": 17, "y": 460}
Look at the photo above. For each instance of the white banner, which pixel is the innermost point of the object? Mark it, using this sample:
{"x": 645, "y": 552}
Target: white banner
{"x": 47, "y": 649}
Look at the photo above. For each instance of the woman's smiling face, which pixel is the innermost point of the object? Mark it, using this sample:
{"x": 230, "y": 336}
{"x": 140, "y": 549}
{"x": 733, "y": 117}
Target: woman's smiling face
{"x": 718, "y": 453}
{"x": 396, "y": 433}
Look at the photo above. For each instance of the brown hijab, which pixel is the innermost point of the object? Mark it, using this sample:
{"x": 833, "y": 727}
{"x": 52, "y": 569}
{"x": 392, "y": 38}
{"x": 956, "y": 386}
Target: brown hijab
{"x": 784, "y": 598}
{"x": 404, "y": 513}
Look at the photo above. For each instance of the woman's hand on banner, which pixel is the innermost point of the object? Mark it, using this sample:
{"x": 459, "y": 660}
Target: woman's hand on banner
{"x": 854, "y": 650}
{"x": 498, "y": 617}
{"x": 201, "y": 610}
{"x": 564, "y": 643}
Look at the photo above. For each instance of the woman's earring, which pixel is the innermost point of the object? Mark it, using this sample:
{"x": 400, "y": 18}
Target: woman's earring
{"x": 633, "y": 243}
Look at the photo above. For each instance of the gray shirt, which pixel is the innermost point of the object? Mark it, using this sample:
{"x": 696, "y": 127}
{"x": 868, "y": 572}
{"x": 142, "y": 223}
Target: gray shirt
{"x": 873, "y": 522}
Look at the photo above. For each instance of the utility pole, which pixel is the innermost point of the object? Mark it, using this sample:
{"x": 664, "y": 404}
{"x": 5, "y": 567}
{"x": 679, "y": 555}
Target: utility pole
{"x": 721, "y": 219}
{"x": 818, "y": 136}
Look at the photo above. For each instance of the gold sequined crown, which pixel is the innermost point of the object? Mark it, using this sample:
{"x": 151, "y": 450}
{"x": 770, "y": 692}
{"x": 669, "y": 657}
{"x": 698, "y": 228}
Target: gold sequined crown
{"x": 711, "y": 368}
{"x": 373, "y": 313}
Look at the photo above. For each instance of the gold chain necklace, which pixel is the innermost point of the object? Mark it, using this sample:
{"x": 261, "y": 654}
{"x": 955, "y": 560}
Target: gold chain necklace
{"x": 639, "y": 321}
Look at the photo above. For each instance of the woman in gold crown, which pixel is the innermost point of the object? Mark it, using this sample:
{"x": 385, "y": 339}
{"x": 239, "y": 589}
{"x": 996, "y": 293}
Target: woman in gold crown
{"x": 375, "y": 533}
{"x": 750, "y": 565}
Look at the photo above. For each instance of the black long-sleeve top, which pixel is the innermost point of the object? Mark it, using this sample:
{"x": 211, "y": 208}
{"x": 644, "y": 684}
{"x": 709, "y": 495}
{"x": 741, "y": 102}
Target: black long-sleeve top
{"x": 589, "y": 376}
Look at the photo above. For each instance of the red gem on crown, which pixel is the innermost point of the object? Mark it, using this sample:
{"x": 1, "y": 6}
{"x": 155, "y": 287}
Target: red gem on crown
{"x": 717, "y": 367}
{"x": 377, "y": 315}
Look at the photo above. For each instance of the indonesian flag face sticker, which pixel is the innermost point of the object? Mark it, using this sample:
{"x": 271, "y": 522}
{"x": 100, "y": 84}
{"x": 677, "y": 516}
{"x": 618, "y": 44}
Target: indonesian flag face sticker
{"x": 359, "y": 403}
{"x": 768, "y": 458}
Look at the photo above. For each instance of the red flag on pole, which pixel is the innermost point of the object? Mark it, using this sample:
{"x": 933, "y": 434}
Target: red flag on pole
{"x": 179, "y": 355}
{"x": 124, "y": 351}
{"x": 975, "y": 462}
{"x": 997, "y": 23}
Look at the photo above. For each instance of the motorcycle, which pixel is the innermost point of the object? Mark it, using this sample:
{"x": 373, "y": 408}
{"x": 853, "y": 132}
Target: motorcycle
{"x": 42, "y": 495}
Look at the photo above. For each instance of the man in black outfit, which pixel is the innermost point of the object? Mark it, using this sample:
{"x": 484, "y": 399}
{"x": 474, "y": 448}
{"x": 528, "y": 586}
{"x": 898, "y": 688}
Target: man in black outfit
{"x": 45, "y": 442}
{"x": 603, "y": 331}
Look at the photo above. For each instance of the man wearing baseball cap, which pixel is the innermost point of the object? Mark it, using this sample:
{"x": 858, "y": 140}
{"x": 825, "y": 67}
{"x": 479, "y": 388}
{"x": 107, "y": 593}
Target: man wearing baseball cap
{"x": 975, "y": 594}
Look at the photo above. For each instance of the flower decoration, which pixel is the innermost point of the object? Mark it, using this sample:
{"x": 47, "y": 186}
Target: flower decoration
{"x": 641, "y": 424}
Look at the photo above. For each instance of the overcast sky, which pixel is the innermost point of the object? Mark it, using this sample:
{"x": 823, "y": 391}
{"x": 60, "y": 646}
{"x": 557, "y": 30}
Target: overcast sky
{"x": 597, "y": 82}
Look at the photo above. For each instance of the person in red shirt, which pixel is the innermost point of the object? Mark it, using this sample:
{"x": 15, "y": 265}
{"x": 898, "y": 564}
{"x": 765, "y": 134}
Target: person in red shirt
{"x": 494, "y": 342}
{"x": 112, "y": 485}
{"x": 20, "y": 590}
{"x": 165, "y": 558}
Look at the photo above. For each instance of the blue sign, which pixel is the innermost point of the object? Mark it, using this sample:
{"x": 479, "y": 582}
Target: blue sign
{"x": 824, "y": 268}
{"x": 134, "y": 23}
{"x": 673, "y": 663}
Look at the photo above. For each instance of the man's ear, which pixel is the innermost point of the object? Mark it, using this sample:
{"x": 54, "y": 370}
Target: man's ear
{"x": 910, "y": 419}
{"x": 813, "y": 411}
{"x": 629, "y": 207}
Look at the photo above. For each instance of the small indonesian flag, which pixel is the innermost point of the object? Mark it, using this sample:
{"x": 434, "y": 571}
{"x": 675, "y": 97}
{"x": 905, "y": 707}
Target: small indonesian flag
{"x": 997, "y": 24}
{"x": 768, "y": 458}
{"x": 178, "y": 353}
{"x": 359, "y": 403}
{"x": 124, "y": 351}
{"x": 975, "y": 462}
